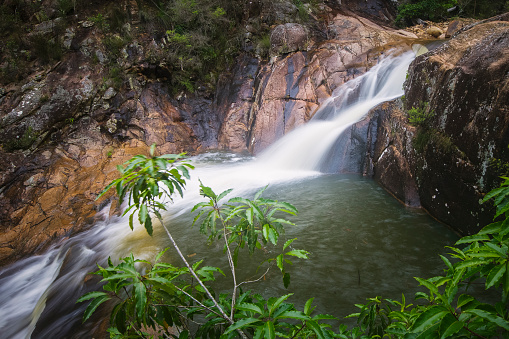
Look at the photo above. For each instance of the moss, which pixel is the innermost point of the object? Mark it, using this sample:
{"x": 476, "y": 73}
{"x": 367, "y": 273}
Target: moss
{"x": 499, "y": 166}
{"x": 21, "y": 143}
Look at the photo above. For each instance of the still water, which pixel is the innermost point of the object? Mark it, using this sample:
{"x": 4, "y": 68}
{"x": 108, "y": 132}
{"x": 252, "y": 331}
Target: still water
{"x": 363, "y": 242}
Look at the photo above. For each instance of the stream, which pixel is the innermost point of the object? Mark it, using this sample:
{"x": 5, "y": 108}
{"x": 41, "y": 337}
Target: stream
{"x": 363, "y": 243}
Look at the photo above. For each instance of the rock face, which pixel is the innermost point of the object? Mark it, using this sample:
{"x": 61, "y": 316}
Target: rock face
{"x": 65, "y": 129}
{"x": 63, "y": 134}
{"x": 263, "y": 102}
{"x": 450, "y": 162}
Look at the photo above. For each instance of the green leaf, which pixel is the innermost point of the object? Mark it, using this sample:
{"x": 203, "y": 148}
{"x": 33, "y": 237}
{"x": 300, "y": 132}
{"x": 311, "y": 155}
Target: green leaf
{"x": 273, "y": 236}
{"x": 307, "y": 306}
{"x": 148, "y": 226}
{"x": 288, "y": 243}
{"x": 250, "y": 307}
{"x": 140, "y": 292}
{"x": 316, "y": 328}
{"x": 286, "y": 280}
{"x": 471, "y": 263}
{"x": 270, "y": 332}
{"x": 278, "y": 302}
{"x": 449, "y": 326}
{"x": 490, "y": 317}
{"x": 260, "y": 192}
{"x": 93, "y": 306}
{"x": 495, "y": 275}
{"x": 293, "y": 315}
{"x": 224, "y": 193}
{"x": 428, "y": 318}
{"x": 143, "y": 214}
{"x": 472, "y": 238}
{"x": 241, "y": 324}
{"x": 279, "y": 262}
{"x": 491, "y": 228}
{"x": 427, "y": 284}
{"x": 298, "y": 253}
{"x": 91, "y": 295}
{"x": 447, "y": 262}
{"x": 464, "y": 299}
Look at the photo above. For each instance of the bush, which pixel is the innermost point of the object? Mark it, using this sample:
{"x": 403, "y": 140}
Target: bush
{"x": 434, "y": 10}
{"x": 420, "y": 116}
{"x": 164, "y": 295}
{"x": 45, "y": 50}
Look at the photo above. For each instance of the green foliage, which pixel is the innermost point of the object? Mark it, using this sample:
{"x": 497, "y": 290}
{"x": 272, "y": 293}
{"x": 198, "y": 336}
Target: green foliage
{"x": 482, "y": 9}
{"x": 100, "y": 21}
{"x": 45, "y": 50}
{"x": 436, "y": 10}
{"x": 302, "y": 12}
{"x": 160, "y": 296}
{"x": 420, "y": 116}
{"x": 113, "y": 45}
{"x": 9, "y": 19}
{"x": 139, "y": 182}
{"x": 448, "y": 310}
{"x": 500, "y": 166}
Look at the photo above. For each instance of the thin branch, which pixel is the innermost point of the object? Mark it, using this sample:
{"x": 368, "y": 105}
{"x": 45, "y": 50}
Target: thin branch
{"x": 256, "y": 280}
{"x": 223, "y": 314}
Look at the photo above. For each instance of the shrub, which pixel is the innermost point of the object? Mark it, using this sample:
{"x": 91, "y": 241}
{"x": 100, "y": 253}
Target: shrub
{"x": 45, "y": 50}
{"x": 163, "y": 295}
{"x": 420, "y": 116}
{"x": 448, "y": 310}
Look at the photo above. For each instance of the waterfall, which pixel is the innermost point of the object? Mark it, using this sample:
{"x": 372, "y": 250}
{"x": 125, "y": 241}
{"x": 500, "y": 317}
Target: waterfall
{"x": 305, "y": 147}
{"x": 37, "y": 294}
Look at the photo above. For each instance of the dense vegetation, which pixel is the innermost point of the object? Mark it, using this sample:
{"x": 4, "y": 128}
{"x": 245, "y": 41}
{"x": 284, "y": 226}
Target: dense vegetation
{"x": 163, "y": 300}
{"x": 200, "y": 37}
{"x": 439, "y": 10}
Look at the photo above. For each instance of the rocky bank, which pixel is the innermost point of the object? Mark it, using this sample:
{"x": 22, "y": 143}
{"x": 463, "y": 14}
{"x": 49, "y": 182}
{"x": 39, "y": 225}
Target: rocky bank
{"x": 66, "y": 127}
{"x": 447, "y": 163}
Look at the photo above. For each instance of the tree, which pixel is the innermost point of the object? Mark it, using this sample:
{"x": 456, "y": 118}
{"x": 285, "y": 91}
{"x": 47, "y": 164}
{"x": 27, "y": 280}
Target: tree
{"x": 165, "y": 296}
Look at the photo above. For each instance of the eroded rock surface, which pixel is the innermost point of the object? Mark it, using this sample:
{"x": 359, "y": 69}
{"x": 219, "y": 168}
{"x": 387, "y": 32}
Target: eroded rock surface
{"x": 267, "y": 101}
{"x": 63, "y": 134}
{"x": 457, "y": 156}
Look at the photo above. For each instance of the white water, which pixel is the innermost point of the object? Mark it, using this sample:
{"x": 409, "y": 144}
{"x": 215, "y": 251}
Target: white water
{"x": 37, "y": 295}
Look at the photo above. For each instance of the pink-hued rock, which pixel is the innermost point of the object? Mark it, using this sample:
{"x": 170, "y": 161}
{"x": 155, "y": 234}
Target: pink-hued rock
{"x": 278, "y": 97}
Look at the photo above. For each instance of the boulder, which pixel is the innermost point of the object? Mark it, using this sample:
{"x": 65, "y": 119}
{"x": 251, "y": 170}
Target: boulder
{"x": 434, "y": 31}
{"x": 459, "y": 154}
{"x": 287, "y": 38}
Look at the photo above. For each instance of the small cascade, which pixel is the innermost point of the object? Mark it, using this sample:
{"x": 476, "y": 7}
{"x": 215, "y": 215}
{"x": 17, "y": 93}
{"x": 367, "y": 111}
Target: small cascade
{"x": 307, "y": 147}
{"x": 37, "y": 294}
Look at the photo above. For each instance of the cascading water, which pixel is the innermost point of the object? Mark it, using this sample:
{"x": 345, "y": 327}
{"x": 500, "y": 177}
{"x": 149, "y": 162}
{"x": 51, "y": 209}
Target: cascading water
{"x": 306, "y": 147}
{"x": 37, "y": 295}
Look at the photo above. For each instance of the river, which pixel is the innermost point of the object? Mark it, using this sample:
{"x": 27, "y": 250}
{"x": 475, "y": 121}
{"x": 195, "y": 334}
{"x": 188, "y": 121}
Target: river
{"x": 363, "y": 243}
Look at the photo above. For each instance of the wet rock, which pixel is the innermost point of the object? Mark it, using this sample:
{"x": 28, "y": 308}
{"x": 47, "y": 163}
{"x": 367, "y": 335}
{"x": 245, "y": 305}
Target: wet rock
{"x": 266, "y": 102}
{"x": 464, "y": 85}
